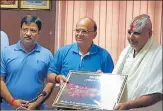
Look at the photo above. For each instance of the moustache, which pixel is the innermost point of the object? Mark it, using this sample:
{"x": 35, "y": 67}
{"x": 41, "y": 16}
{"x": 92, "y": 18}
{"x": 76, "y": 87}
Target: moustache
{"x": 79, "y": 37}
{"x": 132, "y": 42}
{"x": 28, "y": 37}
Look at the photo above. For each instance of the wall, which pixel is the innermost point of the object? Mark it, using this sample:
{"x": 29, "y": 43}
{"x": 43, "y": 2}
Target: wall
{"x": 10, "y": 23}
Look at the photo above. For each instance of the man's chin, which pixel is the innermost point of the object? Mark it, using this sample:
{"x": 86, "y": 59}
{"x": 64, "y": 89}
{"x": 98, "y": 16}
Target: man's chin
{"x": 80, "y": 42}
{"x": 27, "y": 40}
{"x": 133, "y": 45}
{"x": 28, "y": 43}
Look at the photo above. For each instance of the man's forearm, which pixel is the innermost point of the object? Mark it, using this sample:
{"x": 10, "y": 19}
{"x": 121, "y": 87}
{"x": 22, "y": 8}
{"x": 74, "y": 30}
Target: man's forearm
{"x": 51, "y": 81}
{"x": 48, "y": 89}
{"x": 144, "y": 101}
{"x": 5, "y": 92}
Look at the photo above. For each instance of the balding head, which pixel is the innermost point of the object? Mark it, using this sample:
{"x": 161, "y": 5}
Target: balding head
{"x": 88, "y": 22}
{"x": 140, "y": 22}
{"x": 85, "y": 32}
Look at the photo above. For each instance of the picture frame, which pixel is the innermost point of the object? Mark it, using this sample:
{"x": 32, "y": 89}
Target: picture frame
{"x": 90, "y": 91}
{"x": 35, "y": 4}
{"x": 9, "y": 4}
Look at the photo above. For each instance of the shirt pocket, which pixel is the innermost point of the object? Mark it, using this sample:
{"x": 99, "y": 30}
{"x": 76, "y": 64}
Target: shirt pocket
{"x": 42, "y": 71}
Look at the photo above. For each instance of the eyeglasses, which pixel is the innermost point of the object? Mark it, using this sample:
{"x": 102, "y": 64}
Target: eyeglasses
{"x": 33, "y": 31}
{"x": 83, "y": 31}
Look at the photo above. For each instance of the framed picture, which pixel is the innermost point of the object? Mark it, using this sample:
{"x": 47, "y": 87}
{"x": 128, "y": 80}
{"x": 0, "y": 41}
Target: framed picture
{"x": 91, "y": 90}
{"x": 35, "y": 4}
{"x": 9, "y": 3}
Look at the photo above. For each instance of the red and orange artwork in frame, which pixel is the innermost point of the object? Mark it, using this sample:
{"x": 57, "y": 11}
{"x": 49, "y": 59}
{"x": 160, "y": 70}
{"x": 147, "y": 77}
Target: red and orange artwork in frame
{"x": 9, "y": 3}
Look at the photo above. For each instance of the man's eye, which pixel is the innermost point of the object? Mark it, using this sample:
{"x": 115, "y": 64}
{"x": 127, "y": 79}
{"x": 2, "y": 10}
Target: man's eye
{"x": 84, "y": 31}
{"x": 77, "y": 30}
{"x": 25, "y": 29}
{"x": 33, "y": 30}
{"x": 137, "y": 33}
{"x": 129, "y": 32}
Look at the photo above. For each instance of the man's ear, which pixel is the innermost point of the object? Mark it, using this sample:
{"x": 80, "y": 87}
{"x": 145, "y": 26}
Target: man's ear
{"x": 150, "y": 33}
{"x": 39, "y": 33}
{"x": 20, "y": 32}
{"x": 95, "y": 33}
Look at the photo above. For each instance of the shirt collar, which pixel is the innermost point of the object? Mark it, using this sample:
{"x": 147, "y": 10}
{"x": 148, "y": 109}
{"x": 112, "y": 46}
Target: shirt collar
{"x": 92, "y": 50}
{"x": 19, "y": 47}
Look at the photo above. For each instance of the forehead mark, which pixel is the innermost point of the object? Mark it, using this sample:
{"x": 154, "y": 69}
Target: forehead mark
{"x": 138, "y": 24}
{"x": 131, "y": 27}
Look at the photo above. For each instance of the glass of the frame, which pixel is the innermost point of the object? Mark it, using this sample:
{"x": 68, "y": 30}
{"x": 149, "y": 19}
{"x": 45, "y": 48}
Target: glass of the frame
{"x": 35, "y": 4}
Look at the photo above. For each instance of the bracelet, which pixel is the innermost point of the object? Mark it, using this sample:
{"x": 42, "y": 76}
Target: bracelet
{"x": 12, "y": 101}
{"x": 56, "y": 78}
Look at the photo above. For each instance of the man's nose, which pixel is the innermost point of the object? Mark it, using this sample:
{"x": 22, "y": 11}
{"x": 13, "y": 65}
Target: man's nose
{"x": 131, "y": 35}
{"x": 28, "y": 32}
{"x": 80, "y": 32}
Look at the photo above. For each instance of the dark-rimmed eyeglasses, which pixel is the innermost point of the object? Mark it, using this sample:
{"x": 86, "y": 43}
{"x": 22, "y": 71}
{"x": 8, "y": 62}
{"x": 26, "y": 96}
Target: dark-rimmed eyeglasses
{"x": 33, "y": 31}
{"x": 83, "y": 31}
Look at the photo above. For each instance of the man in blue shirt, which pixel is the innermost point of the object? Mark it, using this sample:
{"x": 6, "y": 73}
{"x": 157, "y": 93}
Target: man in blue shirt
{"x": 83, "y": 55}
{"x": 24, "y": 67}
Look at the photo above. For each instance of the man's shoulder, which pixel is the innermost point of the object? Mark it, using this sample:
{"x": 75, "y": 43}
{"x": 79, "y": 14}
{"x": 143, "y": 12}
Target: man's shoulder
{"x": 159, "y": 47}
{"x": 157, "y": 51}
{"x": 66, "y": 47}
{"x": 101, "y": 50}
{"x": 45, "y": 50}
